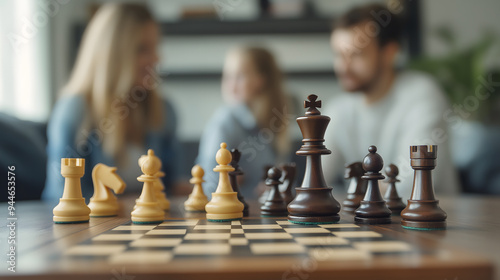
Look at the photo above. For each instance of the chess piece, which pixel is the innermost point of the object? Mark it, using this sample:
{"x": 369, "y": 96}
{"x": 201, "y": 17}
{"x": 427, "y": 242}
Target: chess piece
{"x": 263, "y": 197}
{"x": 357, "y": 187}
{"x": 289, "y": 171}
{"x": 104, "y": 203}
{"x": 372, "y": 209}
{"x": 158, "y": 188}
{"x": 314, "y": 202}
{"x": 197, "y": 199}
{"x": 147, "y": 209}
{"x": 423, "y": 211}
{"x": 224, "y": 205}
{"x": 392, "y": 199}
{"x": 275, "y": 205}
{"x": 72, "y": 207}
{"x": 233, "y": 179}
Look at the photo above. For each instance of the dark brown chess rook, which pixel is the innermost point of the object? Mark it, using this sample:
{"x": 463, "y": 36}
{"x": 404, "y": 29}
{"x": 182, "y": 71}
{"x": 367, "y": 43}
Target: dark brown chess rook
{"x": 275, "y": 205}
{"x": 314, "y": 202}
{"x": 372, "y": 209}
{"x": 357, "y": 187}
{"x": 233, "y": 178}
{"x": 423, "y": 211}
{"x": 265, "y": 194}
{"x": 289, "y": 171}
{"x": 391, "y": 197}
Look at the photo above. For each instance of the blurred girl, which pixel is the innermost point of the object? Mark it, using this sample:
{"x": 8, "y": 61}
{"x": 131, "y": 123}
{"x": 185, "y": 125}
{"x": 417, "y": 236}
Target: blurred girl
{"x": 110, "y": 111}
{"x": 253, "y": 118}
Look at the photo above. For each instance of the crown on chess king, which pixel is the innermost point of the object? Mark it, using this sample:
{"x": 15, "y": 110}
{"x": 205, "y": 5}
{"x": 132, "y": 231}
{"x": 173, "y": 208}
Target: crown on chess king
{"x": 72, "y": 166}
{"x": 313, "y": 127}
{"x": 423, "y": 155}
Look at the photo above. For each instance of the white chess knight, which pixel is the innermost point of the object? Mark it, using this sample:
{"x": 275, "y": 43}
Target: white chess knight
{"x": 104, "y": 203}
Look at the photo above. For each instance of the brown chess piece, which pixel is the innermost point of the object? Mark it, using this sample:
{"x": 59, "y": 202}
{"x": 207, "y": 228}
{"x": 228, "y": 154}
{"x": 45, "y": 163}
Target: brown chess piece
{"x": 372, "y": 209}
{"x": 265, "y": 194}
{"x": 289, "y": 171}
{"x": 233, "y": 178}
{"x": 275, "y": 205}
{"x": 357, "y": 187}
{"x": 392, "y": 199}
{"x": 314, "y": 202}
{"x": 423, "y": 211}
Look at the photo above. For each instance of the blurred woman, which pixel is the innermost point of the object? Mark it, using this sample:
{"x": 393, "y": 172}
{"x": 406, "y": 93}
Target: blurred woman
{"x": 253, "y": 118}
{"x": 110, "y": 111}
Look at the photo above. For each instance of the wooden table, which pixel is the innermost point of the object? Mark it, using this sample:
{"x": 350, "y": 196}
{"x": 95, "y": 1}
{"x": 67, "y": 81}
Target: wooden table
{"x": 468, "y": 249}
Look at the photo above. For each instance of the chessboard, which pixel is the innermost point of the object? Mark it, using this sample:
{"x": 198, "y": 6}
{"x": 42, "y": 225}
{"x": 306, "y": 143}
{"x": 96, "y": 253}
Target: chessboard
{"x": 248, "y": 238}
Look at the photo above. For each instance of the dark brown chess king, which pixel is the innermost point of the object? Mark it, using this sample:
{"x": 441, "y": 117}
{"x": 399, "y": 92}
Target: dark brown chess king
{"x": 423, "y": 211}
{"x": 314, "y": 202}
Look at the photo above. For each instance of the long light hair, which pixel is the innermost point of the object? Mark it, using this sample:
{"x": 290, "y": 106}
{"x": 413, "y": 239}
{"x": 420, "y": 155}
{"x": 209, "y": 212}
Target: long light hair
{"x": 272, "y": 100}
{"x": 105, "y": 74}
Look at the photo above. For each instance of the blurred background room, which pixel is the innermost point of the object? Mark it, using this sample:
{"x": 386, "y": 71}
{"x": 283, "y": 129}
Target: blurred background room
{"x": 455, "y": 41}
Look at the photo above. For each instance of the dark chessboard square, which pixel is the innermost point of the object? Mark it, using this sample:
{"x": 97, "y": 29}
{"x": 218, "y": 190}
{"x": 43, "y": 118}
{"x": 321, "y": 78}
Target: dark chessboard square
{"x": 258, "y": 221}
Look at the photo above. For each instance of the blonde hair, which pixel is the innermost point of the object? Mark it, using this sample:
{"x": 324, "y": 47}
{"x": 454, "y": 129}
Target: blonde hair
{"x": 104, "y": 73}
{"x": 272, "y": 100}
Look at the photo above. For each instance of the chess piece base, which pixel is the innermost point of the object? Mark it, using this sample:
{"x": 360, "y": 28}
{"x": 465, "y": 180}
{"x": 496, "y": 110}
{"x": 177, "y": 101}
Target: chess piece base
{"x": 439, "y": 225}
{"x": 71, "y": 210}
{"x": 224, "y": 217}
{"x": 163, "y": 202}
{"x": 224, "y": 207}
{"x": 314, "y": 220}
{"x": 314, "y": 206}
{"x": 351, "y": 204}
{"x": 372, "y": 221}
{"x": 103, "y": 208}
{"x": 147, "y": 212}
{"x": 396, "y": 206}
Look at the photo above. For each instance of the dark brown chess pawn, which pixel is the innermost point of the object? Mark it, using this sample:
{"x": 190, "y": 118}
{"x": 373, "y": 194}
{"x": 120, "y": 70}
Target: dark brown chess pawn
{"x": 392, "y": 199}
{"x": 275, "y": 205}
{"x": 233, "y": 178}
{"x": 373, "y": 209}
{"x": 314, "y": 202}
{"x": 265, "y": 194}
{"x": 423, "y": 211}
{"x": 289, "y": 171}
{"x": 357, "y": 187}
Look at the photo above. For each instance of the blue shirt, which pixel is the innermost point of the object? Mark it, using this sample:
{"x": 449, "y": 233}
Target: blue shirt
{"x": 237, "y": 127}
{"x": 66, "y": 123}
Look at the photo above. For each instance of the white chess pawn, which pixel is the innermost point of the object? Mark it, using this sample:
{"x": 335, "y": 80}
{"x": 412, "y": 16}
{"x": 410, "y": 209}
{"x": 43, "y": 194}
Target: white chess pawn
{"x": 147, "y": 209}
{"x": 224, "y": 205}
{"x": 197, "y": 199}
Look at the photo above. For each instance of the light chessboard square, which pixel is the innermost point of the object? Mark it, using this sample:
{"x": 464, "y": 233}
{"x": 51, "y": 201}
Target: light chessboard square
{"x": 306, "y": 230}
{"x": 238, "y": 241}
{"x": 276, "y": 248}
{"x": 141, "y": 257}
{"x": 95, "y": 250}
{"x": 339, "y": 226}
{"x": 207, "y": 236}
{"x": 180, "y": 223}
{"x": 236, "y": 223}
{"x": 321, "y": 240}
{"x": 268, "y": 235}
{"x": 383, "y": 246}
{"x": 135, "y": 227}
{"x": 117, "y": 237}
{"x": 284, "y": 223}
{"x": 338, "y": 254}
{"x": 156, "y": 242}
{"x": 167, "y": 232}
{"x": 203, "y": 249}
{"x": 203, "y": 227}
{"x": 356, "y": 234}
{"x": 269, "y": 226}
{"x": 237, "y": 231}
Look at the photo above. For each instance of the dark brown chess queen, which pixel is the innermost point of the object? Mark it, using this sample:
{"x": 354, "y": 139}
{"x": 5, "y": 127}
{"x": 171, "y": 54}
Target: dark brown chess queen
{"x": 314, "y": 202}
{"x": 423, "y": 211}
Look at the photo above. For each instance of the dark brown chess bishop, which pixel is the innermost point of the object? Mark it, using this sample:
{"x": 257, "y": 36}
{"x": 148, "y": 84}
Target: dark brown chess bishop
{"x": 423, "y": 211}
{"x": 357, "y": 187}
{"x": 373, "y": 209}
{"x": 314, "y": 202}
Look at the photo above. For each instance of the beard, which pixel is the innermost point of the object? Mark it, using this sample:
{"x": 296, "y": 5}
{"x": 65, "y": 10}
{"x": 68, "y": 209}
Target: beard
{"x": 352, "y": 83}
